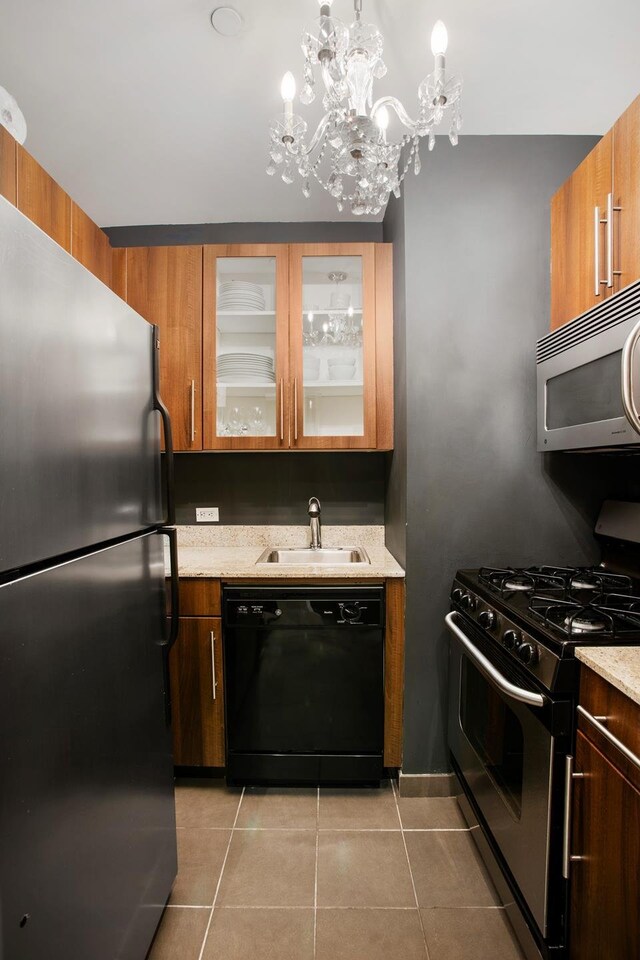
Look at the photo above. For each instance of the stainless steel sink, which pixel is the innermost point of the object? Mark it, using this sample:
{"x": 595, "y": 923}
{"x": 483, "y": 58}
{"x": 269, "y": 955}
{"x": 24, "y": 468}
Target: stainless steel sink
{"x": 324, "y": 556}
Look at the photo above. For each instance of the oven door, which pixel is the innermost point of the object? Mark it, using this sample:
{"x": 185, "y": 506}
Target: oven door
{"x": 589, "y": 393}
{"x": 504, "y": 749}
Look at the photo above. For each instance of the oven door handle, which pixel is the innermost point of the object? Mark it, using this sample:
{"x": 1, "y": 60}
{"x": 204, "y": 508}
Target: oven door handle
{"x": 488, "y": 669}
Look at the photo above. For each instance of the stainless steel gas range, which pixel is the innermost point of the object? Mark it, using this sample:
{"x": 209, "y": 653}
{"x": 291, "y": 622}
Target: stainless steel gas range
{"x": 513, "y": 687}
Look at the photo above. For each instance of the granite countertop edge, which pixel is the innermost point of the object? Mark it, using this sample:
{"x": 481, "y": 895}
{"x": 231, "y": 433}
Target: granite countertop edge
{"x": 619, "y": 666}
{"x": 231, "y": 563}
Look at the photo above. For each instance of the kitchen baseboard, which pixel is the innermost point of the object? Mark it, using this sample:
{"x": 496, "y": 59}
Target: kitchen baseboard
{"x": 428, "y": 785}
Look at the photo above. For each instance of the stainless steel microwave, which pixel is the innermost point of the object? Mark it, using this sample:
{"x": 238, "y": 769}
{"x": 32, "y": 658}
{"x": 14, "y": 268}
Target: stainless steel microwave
{"x": 589, "y": 378}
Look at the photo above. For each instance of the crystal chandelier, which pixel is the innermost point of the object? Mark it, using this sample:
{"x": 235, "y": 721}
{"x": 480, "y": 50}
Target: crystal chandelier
{"x": 350, "y": 153}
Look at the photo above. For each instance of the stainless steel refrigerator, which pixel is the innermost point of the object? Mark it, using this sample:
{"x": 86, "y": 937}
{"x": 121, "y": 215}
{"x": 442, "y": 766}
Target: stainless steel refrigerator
{"x": 87, "y": 822}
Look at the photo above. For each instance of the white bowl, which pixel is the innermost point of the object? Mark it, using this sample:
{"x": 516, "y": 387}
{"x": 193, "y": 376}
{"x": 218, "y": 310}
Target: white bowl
{"x": 311, "y": 373}
{"x": 341, "y": 362}
{"x": 342, "y": 371}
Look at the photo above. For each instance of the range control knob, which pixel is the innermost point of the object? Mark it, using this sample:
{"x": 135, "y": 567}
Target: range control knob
{"x": 528, "y": 653}
{"x": 511, "y": 639}
{"x": 351, "y": 612}
{"x": 469, "y": 601}
{"x": 487, "y": 619}
{"x": 457, "y": 595}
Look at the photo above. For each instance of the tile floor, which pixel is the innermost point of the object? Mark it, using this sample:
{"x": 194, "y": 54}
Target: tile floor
{"x": 285, "y": 874}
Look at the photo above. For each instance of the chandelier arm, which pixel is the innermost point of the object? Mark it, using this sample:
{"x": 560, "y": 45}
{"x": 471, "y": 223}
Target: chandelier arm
{"x": 319, "y": 133}
{"x": 399, "y": 109}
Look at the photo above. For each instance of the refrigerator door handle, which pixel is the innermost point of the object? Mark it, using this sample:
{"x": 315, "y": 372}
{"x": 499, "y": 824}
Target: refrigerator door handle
{"x": 174, "y": 622}
{"x": 168, "y": 436}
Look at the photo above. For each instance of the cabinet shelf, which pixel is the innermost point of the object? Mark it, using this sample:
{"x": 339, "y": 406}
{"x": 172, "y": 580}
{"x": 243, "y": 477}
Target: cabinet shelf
{"x": 246, "y": 321}
{"x": 333, "y": 388}
{"x": 249, "y": 389}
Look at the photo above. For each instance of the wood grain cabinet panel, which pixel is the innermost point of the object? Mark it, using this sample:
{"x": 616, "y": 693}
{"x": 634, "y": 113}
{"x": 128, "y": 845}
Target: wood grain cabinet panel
{"x": 605, "y": 882}
{"x": 578, "y": 243}
{"x": 90, "y": 245}
{"x": 394, "y": 672}
{"x": 197, "y": 693}
{"x": 626, "y": 190}
{"x": 41, "y": 199}
{"x": 164, "y": 284}
{"x": 8, "y": 162}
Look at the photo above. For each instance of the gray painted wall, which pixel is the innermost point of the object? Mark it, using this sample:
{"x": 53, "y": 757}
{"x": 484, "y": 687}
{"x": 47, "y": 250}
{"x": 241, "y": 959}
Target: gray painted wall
{"x": 396, "y": 500}
{"x": 156, "y": 235}
{"x": 274, "y": 488}
{"x": 476, "y": 238}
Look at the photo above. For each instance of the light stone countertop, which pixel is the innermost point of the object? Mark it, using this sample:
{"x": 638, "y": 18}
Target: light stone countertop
{"x": 230, "y": 552}
{"x": 620, "y": 666}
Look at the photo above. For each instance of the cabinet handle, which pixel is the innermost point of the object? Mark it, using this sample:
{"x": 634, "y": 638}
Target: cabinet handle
{"x": 282, "y": 410}
{"x": 596, "y": 250}
{"x": 600, "y": 727}
{"x": 214, "y": 682}
{"x": 295, "y": 409}
{"x": 570, "y": 776}
{"x": 193, "y": 411}
{"x": 611, "y": 273}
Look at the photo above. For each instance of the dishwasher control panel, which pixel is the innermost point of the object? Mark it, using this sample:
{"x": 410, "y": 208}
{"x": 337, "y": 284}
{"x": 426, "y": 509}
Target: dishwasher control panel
{"x": 316, "y": 608}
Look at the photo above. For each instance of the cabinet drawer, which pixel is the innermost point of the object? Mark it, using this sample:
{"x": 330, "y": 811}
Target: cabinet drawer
{"x": 199, "y": 597}
{"x": 600, "y": 699}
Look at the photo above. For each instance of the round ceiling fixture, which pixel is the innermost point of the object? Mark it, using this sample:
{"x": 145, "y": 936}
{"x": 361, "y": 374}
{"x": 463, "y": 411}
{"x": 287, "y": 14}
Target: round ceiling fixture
{"x": 227, "y": 21}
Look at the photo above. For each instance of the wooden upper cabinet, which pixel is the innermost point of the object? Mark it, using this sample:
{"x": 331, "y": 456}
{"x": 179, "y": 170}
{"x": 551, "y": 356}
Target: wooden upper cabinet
{"x": 90, "y": 245}
{"x": 626, "y": 191}
{"x": 41, "y": 199}
{"x": 8, "y": 160}
{"x": 332, "y": 335}
{"x": 246, "y": 347}
{"x": 579, "y": 237}
{"x": 164, "y": 284}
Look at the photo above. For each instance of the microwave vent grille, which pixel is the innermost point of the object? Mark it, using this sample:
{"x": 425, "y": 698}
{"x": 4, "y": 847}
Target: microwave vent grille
{"x": 620, "y": 308}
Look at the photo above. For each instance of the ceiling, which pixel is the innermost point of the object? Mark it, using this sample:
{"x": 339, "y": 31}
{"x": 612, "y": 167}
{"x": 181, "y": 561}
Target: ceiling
{"x": 145, "y": 115}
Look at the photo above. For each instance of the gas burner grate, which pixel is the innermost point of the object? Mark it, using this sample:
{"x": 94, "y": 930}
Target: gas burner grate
{"x": 609, "y": 617}
{"x": 518, "y": 580}
{"x": 563, "y": 581}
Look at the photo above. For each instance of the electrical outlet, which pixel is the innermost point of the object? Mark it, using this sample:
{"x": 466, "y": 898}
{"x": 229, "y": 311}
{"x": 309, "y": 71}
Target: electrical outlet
{"x": 207, "y": 514}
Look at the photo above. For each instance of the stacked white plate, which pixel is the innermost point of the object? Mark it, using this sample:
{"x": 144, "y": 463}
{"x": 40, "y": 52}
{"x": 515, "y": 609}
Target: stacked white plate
{"x": 240, "y": 295}
{"x": 245, "y": 368}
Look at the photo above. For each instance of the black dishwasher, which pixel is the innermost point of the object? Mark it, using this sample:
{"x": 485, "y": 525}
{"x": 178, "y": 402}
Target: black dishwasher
{"x": 304, "y": 684}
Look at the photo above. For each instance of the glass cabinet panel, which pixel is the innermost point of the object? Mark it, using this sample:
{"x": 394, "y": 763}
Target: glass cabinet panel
{"x": 245, "y": 347}
{"x": 333, "y": 395}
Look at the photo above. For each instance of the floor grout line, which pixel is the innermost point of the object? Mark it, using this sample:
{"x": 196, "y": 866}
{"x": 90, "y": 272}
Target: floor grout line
{"x": 413, "y": 885}
{"x": 315, "y": 889}
{"x": 224, "y": 863}
{"x": 253, "y": 906}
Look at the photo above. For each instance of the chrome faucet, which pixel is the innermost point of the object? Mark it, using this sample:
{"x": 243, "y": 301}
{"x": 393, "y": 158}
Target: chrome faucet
{"x": 314, "y": 520}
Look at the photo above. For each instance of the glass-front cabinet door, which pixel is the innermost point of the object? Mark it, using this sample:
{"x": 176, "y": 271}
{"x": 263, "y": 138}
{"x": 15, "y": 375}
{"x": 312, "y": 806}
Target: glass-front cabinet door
{"x": 245, "y": 346}
{"x": 333, "y": 346}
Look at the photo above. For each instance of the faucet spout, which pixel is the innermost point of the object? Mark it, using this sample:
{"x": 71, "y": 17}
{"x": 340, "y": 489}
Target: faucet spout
{"x": 314, "y": 522}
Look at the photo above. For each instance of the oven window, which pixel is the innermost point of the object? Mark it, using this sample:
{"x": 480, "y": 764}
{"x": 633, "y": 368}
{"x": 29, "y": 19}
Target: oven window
{"x": 495, "y": 733}
{"x": 586, "y": 394}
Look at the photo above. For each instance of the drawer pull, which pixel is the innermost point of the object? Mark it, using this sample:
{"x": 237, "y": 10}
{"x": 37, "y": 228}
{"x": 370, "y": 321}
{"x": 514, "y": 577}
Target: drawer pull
{"x": 600, "y": 727}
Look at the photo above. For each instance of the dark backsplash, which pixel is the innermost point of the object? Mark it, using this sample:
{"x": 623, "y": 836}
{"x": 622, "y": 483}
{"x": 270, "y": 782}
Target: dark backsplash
{"x": 274, "y": 488}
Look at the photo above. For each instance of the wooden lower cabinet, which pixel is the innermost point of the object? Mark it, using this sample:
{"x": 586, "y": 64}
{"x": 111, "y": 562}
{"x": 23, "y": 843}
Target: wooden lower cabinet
{"x": 605, "y": 882}
{"x": 197, "y": 693}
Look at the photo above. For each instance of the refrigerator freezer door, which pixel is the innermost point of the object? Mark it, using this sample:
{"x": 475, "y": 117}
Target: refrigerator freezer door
{"x": 87, "y": 820}
{"x": 78, "y": 434}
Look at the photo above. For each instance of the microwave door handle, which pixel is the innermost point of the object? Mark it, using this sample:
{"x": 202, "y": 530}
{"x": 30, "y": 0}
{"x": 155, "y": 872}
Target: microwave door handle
{"x": 488, "y": 669}
{"x": 628, "y": 400}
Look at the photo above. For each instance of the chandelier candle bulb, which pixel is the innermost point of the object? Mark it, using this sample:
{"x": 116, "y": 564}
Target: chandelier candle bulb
{"x": 439, "y": 39}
